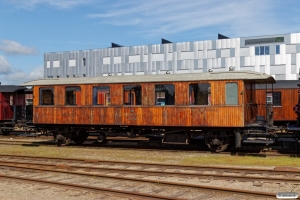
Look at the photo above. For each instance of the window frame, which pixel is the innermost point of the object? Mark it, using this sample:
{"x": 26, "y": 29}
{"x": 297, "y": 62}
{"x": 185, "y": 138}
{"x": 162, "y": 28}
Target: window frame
{"x": 41, "y": 102}
{"x": 95, "y": 95}
{"x": 227, "y": 95}
{"x": 202, "y": 97}
{"x": 137, "y": 98}
{"x": 169, "y": 98}
{"x": 261, "y": 50}
{"x": 276, "y": 99}
{"x": 68, "y": 89}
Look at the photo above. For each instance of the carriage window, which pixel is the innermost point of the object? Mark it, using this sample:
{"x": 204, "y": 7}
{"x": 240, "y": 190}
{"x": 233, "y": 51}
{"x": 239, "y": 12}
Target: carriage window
{"x": 165, "y": 94}
{"x": 231, "y": 94}
{"x": 46, "y": 96}
{"x": 274, "y": 98}
{"x": 132, "y": 95}
{"x": 28, "y": 99}
{"x": 73, "y": 95}
{"x": 269, "y": 98}
{"x": 199, "y": 94}
{"x": 101, "y": 95}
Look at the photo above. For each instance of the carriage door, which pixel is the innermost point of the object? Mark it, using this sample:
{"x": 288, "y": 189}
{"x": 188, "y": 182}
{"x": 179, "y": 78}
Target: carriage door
{"x": 199, "y": 101}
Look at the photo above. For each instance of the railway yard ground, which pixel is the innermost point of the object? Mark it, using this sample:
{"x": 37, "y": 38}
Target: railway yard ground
{"x": 28, "y": 172}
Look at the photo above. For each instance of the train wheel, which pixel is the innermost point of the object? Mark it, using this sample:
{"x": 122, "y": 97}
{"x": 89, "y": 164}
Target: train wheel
{"x": 81, "y": 138}
{"x": 101, "y": 138}
{"x": 217, "y": 142}
{"x": 60, "y": 140}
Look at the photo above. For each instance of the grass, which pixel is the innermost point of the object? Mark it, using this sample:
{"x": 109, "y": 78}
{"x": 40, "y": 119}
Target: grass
{"x": 182, "y": 157}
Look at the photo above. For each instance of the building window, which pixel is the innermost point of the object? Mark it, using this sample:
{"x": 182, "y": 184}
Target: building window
{"x": 46, "y": 96}
{"x": 231, "y": 93}
{"x": 263, "y": 50}
{"x": 83, "y": 61}
{"x": 199, "y": 94}
{"x": 267, "y": 50}
{"x": 132, "y": 95}
{"x": 274, "y": 98}
{"x": 256, "y": 50}
{"x": 73, "y": 95}
{"x": 164, "y": 94}
{"x": 101, "y": 95}
{"x": 277, "y": 49}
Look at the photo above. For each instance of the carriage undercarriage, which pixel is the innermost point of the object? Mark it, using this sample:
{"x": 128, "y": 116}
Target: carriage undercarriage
{"x": 216, "y": 140}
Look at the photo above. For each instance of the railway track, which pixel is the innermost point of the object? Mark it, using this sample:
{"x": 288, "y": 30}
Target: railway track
{"x": 46, "y": 141}
{"x": 182, "y": 177}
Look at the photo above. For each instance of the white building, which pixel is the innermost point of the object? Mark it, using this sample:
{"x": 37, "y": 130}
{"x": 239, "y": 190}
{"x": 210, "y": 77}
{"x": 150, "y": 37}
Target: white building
{"x": 277, "y": 55}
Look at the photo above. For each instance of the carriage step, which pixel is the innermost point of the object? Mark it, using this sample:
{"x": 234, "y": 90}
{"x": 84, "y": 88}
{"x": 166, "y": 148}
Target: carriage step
{"x": 11, "y": 123}
{"x": 293, "y": 128}
{"x": 177, "y": 143}
{"x": 7, "y": 128}
{"x": 255, "y": 132}
{"x": 28, "y": 135}
{"x": 259, "y": 141}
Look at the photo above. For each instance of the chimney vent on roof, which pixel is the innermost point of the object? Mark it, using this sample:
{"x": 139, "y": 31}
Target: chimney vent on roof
{"x": 115, "y": 45}
{"x": 164, "y": 41}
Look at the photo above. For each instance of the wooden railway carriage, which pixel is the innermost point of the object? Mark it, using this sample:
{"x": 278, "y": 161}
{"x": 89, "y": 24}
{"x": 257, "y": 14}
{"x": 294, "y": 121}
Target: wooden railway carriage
{"x": 283, "y": 95}
{"x": 175, "y": 107}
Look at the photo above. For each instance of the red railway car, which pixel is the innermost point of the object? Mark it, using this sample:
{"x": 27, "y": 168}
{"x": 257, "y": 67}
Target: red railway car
{"x": 13, "y": 100}
{"x": 220, "y": 106}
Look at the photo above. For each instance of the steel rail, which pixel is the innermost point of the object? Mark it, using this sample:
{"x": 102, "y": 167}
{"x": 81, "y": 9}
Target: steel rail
{"x": 195, "y": 186}
{"x": 93, "y": 188}
{"x": 151, "y": 172}
{"x": 290, "y": 170}
{"x": 147, "y": 148}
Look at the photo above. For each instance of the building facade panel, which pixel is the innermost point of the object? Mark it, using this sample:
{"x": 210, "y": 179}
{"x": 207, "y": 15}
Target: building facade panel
{"x": 278, "y": 55}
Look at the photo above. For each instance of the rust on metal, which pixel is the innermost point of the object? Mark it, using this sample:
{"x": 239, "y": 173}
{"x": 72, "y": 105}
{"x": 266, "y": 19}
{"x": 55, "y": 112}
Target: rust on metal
{"x": 63, "y": 167}
{"x": 91, "y": 161}
{"x": 287, "y": 169}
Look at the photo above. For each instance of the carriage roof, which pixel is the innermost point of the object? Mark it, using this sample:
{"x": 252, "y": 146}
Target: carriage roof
{"x": 207, "y": 76}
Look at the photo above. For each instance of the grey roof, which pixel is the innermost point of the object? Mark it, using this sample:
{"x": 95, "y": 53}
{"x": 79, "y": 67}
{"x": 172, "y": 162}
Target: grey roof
{"x": 10, "y": 88}
{"x": 228, "y": 75}
{"x": 287, "y": 84}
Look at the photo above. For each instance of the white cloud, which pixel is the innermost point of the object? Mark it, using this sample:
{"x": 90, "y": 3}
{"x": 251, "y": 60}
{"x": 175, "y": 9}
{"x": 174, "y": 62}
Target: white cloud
{"x": 36, "y": 73}
{"x": 17, "y": 77}
{"x": 164, "y": 17}
{"x": 12, "y": 47}
{"x": 5, "y": 67}
{"x": 61, "y": 4}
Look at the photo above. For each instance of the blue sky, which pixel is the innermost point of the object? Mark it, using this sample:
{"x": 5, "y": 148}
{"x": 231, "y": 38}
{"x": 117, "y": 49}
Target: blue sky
{"x": 30, "y": 28}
